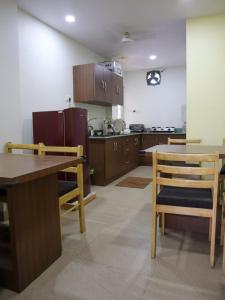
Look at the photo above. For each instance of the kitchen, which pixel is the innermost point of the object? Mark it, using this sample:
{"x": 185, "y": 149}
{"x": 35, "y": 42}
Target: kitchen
{"x": 102, "y": 86}
{"x": 38, "y": 53}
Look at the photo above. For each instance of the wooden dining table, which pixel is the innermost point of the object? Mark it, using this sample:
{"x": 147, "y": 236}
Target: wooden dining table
{"x": 30, "y": 240}
{"x": 188, "y": 223}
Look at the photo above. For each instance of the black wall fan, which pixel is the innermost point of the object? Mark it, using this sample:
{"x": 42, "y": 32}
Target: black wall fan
{"x": 153, "y": 77}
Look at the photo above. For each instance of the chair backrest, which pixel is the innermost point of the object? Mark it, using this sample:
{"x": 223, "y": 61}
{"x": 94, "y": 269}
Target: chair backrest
{"x": 9, "y": 147}
{"x": 183, "y": 141}
{"x": 77, "y": 151}
{"x": 205, "y": 176}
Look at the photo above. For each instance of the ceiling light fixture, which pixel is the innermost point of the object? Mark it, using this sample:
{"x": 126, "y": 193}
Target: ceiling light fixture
{"x": 152, "y": 57}
{"x": 70, "y": 19}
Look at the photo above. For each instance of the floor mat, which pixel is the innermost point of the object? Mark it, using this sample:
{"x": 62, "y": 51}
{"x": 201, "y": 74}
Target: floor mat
{"x": 134, "y": 182}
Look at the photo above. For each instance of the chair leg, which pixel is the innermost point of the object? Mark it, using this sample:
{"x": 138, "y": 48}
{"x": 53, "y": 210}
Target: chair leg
{"x": 82, "y": 216}
{"x": 212, "y": 244}
{"x": 222, "y": 227}
{"x": 224, "y": 252}
{"x": 154, "y": 234}
{"x": 210, "y": 229}
{"x": 163, "y": 223}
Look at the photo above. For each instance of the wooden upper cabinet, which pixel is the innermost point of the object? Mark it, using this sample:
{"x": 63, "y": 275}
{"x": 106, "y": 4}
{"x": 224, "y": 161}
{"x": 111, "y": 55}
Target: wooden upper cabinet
{"x": 94, "y": 84}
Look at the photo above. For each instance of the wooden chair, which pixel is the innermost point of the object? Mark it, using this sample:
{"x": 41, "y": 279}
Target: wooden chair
{"x": 183, "y": 141}
{"x": 185, "y": 196}
{"x": 172, "y": 141}
{"x": 9, "y": 147}
{"x": 223, "y": 231}
{"x": 70, "y": 190}
{"x": 221, "y": 192}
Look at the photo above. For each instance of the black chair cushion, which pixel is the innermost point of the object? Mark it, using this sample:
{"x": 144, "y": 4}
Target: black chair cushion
{"x": 185, "y": 197}
{"x": 65, "y": 187}
{"x": 222, "y": 171}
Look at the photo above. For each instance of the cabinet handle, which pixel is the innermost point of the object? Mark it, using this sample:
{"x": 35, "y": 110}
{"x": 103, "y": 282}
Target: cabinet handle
{"x": 105, "y": 86}
{"x": 115, "y": 146}
{"x": 102, "y": 84}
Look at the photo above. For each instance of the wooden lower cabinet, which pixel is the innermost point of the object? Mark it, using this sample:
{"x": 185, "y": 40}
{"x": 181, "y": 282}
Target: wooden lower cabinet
{"x": 113, "y": 157}
{"x": 151, "y": 139}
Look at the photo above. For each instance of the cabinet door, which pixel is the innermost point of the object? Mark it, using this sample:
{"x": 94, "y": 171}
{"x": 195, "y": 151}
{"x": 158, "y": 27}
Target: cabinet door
{"x": 111, "y": 159}
{"x": 117, "y": 86}
{"x": 135, "y": 151}
{"x": 163, "y": 138}
{"x": 127, "y": 152}
{"x": 148, "y": 140}
{"x": 99, "y": 83}
{"x": 120, "y": 89}
{"x": 84, "y": 82}
{"x": 108, "y": 89}
{"x": 97, "y": 160}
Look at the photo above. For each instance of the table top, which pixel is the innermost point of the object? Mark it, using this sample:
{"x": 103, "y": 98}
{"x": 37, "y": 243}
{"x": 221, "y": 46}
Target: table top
{"x": 187, "y": 149}
{"x": 18, "y": 168}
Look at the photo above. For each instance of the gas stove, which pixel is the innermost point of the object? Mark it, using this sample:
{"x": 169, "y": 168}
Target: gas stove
{"x": 163, "y": 129}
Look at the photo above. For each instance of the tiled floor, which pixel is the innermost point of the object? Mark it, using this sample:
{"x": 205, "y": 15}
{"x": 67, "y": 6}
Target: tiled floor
{"x": 111, "y": 261}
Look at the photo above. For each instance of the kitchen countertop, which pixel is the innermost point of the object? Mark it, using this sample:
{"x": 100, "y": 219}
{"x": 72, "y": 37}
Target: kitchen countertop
{"x": 134, "y": 133}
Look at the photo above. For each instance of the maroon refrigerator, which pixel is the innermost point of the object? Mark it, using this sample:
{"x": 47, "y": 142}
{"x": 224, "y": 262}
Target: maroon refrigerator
{"x": 67, "y": 127}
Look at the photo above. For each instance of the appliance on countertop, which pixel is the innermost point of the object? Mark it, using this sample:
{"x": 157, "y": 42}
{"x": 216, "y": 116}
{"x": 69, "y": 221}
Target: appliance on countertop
{"x": 113, "y": 66}
{"x": 137, "y": 127}
{"x": 111, "y": 127}
{"x": 163, "y": 129}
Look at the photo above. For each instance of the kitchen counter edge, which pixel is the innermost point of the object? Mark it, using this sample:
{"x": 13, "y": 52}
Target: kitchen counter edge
{"x": 134, "y": 133}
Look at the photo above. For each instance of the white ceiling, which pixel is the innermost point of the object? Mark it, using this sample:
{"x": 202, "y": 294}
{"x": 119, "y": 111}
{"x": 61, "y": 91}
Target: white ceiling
{"x": 158, "y": 26}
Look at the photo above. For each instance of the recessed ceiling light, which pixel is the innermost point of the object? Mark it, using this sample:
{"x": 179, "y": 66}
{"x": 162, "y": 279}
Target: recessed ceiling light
{"x": 152, "y": 57}
{"x": 70, "y": 19}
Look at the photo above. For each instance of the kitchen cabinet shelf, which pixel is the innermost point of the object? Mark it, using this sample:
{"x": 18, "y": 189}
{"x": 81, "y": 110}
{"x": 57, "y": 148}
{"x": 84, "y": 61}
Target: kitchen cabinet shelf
{"x": 95, "y": 84}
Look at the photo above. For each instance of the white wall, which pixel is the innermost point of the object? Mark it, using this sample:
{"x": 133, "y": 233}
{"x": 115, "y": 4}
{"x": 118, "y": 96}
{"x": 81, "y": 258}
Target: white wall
{"x": 162, "y": 105}
{"x": 46, "y": 58}
{"x": 10, "y": 113}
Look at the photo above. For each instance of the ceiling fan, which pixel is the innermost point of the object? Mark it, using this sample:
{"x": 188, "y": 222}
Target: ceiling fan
{"x": 126, "y": 38}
